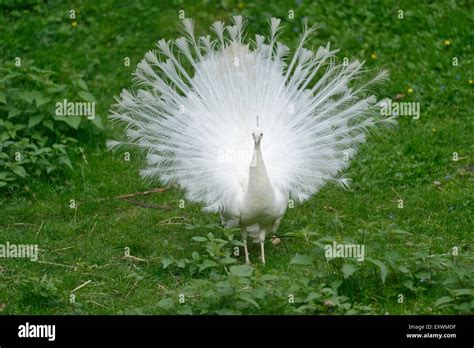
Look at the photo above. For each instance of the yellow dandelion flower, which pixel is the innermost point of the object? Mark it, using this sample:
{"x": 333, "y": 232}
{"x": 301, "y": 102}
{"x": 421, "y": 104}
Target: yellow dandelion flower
{"x": 471, "y": 81}
{"x": 240, "y": 5}
{"x": 373, "y": 55}
{"x": 74, "y": 24}
{"x": 433, "y": 129}
{"x": 410, "y": 90}
{"x": 447, "y": 42}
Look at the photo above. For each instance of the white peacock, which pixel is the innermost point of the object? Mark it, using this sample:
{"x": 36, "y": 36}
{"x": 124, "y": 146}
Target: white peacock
{"x": 290, "y": 125}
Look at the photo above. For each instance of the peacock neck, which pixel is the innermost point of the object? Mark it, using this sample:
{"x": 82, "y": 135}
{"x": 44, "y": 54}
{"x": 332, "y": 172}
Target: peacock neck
{"x": 259, "y": 182}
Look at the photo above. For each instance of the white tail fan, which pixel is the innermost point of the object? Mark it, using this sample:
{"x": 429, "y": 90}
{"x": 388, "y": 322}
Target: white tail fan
{"x": 197, "y": 99}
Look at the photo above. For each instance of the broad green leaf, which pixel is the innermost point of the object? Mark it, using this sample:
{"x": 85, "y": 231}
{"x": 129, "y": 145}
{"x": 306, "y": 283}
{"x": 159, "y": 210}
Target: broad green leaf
{"x": 29, "y": 96}
{"x": 313, "y": 296}
{"x": 409, "y": 284}
{"x": 81, "y": 83}
{"x": 48, "y": 124}
{"x": 97, "y": 121}
{"x": 228, "y": 260}
{"x": 402, "y": 232}
{"x": 463, "y": 292}
{"x": 13, "y": 111}
{"x": 166, "y": 303}
{"x": 3, "y": 98}
{"x": 19, "y": 170}
{"x": 181, "y": 263}
{"x": 336, "y": 284}
{"x": 56, "y": 89}
{"x": 225, "y": 288}
{"x": 199, "y": 239}
{"x": 34, "y": 120}
{"x": 423, "y": 274}
{"x": 227, "y": 311}
{"x": 72, "y": 121}
{"x": 19, "y": 126}
{"x": 207, "y": 264}
{"x": 41, "y": 99}
{"x": 301, "y": 260}
{"x": 248, "y": 298}
{"x": 381, "y": 266}
{"x": 36, "y": 78}
{"x": 50, "y": 168}
{"x": 348, "y": 270}
{"x": 403, "y": 269}
{"x": 184, "y": 310}
{"x": 86, "y": 96}
{"x": 269, "y": 277}
{"x": 67, "y": 162}
{"x": 443, "y": 300}
{"x": 166, "y": 261}
{"x": 241, "y": 271}
{"x": 219, "y": 240}
{"x": 10, "y": 76}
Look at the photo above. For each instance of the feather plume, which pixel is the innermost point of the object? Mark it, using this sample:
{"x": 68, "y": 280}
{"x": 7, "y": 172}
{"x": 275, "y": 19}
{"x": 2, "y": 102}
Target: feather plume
{"x": 195, "y": 127}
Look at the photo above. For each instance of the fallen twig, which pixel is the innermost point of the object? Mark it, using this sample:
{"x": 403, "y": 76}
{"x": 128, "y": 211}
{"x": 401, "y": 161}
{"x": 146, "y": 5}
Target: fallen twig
{"x": 131, "y": 257}
{"x": 148, "y": 205}
{"x": 133, "y": 287}
{"x": 168, "y": 221}
{"x": 162, "y": 287}
{"x": 82, "y": 285}
{"x": 395, "y": 192}
{"x": 93, "y": 227}
{"x": 155, "y": 190}
{"x": 42, "y": 223}
{"x": 66, "y": 248}
{"x": 23, "y": 224}
{"x": 98, "y": 304}
{"x": 57, "y": 264}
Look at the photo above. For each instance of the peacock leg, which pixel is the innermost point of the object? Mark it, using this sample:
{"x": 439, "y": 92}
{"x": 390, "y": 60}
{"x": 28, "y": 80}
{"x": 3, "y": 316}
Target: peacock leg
{"x": 246, "y": 250}
{"x": 261, "y": 236}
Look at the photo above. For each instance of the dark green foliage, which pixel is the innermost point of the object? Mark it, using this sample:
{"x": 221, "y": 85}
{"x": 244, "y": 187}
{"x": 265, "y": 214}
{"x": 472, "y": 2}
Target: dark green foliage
{"x": 34, "y": 140}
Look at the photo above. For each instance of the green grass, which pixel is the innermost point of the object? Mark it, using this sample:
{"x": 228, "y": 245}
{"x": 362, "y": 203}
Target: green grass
{"x": 88, "y": 243}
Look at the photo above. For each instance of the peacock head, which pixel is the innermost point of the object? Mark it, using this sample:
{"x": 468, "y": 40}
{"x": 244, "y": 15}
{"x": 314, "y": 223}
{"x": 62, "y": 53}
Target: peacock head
{"x": 257, "y": 135}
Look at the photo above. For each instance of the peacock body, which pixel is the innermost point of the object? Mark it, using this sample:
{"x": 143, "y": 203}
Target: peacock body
{"x": 241, "y": 128}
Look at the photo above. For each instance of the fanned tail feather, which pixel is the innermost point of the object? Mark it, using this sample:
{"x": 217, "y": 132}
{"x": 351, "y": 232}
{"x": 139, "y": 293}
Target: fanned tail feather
{"x": 196, "y": 126}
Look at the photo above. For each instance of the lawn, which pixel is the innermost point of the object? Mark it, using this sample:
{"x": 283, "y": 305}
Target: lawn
{"x": 410, "y": 203}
